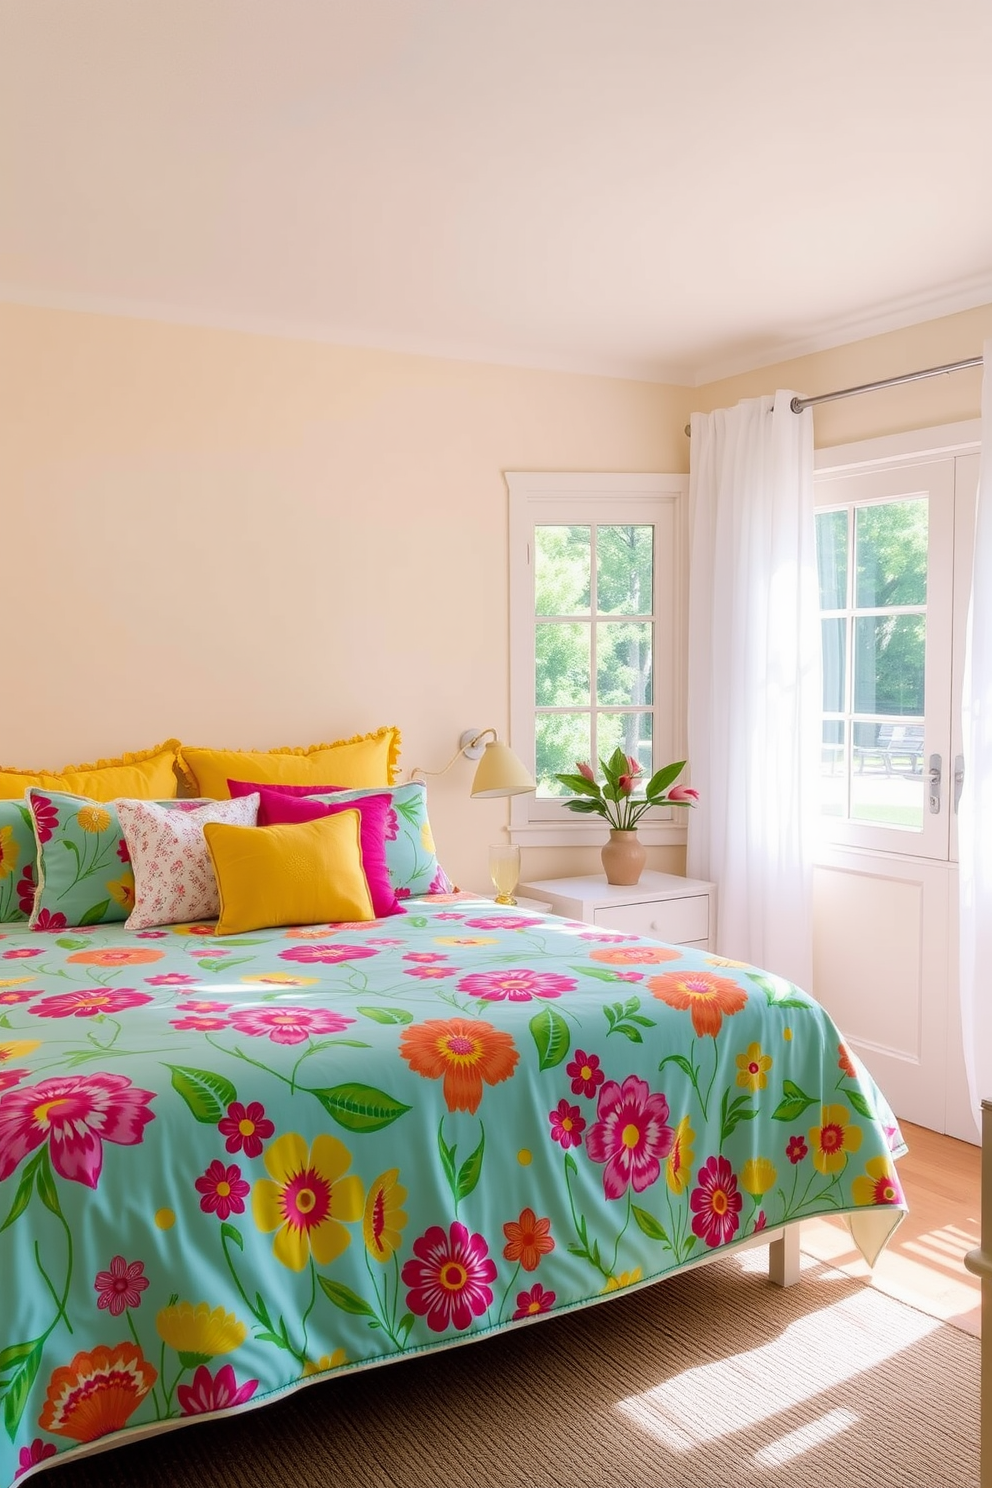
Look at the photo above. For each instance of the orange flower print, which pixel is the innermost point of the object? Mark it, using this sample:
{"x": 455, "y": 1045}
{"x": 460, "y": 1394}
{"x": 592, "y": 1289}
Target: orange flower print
{"x": 707, "y": 996}
{"x": 635, "y": 955}
{"x": 116, "y": 956}
{"x": 833, "y": 1139}
{"x": 97, "y": 1392}
{"x": 463, "y": 1051}
{"x": 846, "y": 1061}
{"x": 527, "y": 1239}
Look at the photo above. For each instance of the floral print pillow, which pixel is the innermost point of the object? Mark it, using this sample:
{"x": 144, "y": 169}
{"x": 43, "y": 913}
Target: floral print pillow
{"x": 84, "y": 867}
{"x": 18, "y": 861}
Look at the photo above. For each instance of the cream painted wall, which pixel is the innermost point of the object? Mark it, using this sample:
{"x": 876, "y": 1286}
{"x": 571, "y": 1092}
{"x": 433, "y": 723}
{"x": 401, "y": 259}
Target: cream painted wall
{"x": 248, "y": 541}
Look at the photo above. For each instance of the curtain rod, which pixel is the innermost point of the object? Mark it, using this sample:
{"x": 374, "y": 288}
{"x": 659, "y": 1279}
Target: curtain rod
{"x": 798, "y": 404}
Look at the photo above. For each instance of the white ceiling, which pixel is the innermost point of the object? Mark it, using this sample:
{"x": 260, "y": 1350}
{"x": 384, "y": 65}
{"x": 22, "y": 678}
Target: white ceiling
{"x": 670, "y": 191}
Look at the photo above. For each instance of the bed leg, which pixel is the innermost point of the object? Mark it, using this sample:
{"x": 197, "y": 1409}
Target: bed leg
{"x": 783, "y": 1257}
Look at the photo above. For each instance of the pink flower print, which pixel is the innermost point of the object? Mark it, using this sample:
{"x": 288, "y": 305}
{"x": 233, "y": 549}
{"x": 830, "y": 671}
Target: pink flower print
{"x": 440, "y": 883}
{"x": 716, "y": 1203}
{"x": 171, "y": 979}
{"x": 586, "y": 1073}
{"x": 796, "y": 1150}
{"x": 760, "y": 1222}
{"x": 450, "y": 914}
{"x": 223, "y": 1190}
{"x": 202, "y": 1007}
{"x": 245, "y": 1128}
{"x": 628, "y": 976}
{"x": 425, "y": 956}
{"x": 631, "y": 1136}
{"x": 329, "y": 953}
{"x": 21, "y": 953}
{"x": 603, "y": 935}
{"x": 75, "y": 1115}
{"x": 11, "y": 1077}
{"x": 90, "y": 1002}
{"x": 567, "y": 1125}
{"x": 516, "y": 986}
{"x": 534, "y": 1302}
{"x": 449, "y": 1280}
{"x": 48, "y": 921}
{"x": 392, "y": 829}
{"x": 121, "y": 1286}
{"x": 288, "y": 1025}
{"x": 26, "y": 888}
{"x": 28, "y": 1457}
{"x": 200, "y": 1023}
{"x": 430, "y": 973}
{"x": 213, "y": 1392}
{"x": 204, "y": 953}
{"x": 46, "y": 817}
{"x": 10, "y": 995}
{"x": 501, "y": 922}
{"x": 402, "y": 893}
{"x": 122, "y": 851}
{"x": 151, "y": 934}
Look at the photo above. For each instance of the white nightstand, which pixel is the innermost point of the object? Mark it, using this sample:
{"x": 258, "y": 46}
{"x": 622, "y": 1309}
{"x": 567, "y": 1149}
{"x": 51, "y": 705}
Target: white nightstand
{"x": 662, "y": 905}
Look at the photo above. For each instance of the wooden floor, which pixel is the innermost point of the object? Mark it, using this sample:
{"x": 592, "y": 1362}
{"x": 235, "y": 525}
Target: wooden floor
{"x": 923, "y": 1263}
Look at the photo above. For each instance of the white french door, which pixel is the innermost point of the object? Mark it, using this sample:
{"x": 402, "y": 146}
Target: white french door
{"x": 895, "y": 520}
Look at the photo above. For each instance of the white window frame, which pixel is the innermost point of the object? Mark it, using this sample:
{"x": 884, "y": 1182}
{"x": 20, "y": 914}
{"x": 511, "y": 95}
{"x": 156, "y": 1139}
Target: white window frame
{"x": 584, "y": 498}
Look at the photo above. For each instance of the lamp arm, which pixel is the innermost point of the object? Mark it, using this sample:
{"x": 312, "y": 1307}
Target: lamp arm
{"x": 470, "y": 745}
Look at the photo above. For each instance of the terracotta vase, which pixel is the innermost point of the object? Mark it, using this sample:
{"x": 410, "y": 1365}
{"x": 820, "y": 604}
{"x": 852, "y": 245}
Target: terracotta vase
{"x": 623, "y": 857}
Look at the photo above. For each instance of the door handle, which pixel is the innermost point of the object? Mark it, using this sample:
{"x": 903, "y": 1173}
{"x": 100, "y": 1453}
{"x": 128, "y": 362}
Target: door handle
{"x": 933, "y": 778}
{"x": 958, "y": 779}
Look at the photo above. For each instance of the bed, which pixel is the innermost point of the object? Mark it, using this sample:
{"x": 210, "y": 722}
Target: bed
{"x": 232, "y": 1167}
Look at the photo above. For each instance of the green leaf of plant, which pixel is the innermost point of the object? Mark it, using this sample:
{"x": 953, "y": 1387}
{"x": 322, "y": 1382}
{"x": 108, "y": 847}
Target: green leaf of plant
{"x": 19, "y": 1389}
{"x": 551, "y": 1036}
{"x": 860, "y": 1104}
{"x": 586, "y": 808}
{"x": 650, "y": 1226}
{"x": 579, "y": 784}
{"x": 230, "y": 1232}
{"x": 207, "y": 1094}
{"x": 470, "y": 1171}
{"x": 95, "y": 913}
{"x": 663, "y": 778}
{"x": 343, "y": 1297}
{"x": 386, "y": 1015}
{"x": 360, "y": 1108}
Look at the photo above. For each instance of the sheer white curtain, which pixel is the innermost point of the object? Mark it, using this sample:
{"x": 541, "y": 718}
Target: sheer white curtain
{"x": 975, "y": 808}
{"x": 754, "y": 678}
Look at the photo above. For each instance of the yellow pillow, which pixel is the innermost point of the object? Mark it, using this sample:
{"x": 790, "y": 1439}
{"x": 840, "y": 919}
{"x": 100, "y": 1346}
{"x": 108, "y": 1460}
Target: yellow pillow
{"x": 365, "y": 760}
{"x": 305, "y": 874}
{"x": 147, "y": 776}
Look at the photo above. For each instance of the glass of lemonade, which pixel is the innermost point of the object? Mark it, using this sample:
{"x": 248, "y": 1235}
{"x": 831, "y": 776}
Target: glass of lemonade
{"x": 504, "y": 870}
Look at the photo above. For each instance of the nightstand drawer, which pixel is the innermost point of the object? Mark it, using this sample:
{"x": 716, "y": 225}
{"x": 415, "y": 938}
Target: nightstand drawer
{"x": 675, "y": 920}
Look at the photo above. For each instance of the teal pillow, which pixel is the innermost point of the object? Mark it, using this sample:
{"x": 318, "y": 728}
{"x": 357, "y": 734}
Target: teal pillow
{"x": 84, "y": 867}
{"x": 411, "y": 857}
{"x": 18, "y": 861}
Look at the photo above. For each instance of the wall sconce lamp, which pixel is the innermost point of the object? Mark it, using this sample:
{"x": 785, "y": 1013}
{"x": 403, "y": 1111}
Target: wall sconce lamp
{"x": 500, "y": 772}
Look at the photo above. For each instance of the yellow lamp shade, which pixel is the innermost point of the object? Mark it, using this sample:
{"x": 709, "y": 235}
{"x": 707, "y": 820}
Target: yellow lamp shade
{"x": 501, "y": 773}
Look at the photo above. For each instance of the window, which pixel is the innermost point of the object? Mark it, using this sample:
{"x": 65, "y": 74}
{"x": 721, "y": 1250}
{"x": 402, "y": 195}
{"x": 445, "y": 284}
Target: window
{"x": 597, "y": 589}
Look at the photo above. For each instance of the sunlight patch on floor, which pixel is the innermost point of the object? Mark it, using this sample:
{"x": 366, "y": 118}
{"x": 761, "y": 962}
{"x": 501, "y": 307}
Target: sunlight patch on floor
{"x": 829, "y": 1346}
{"x": 811, "y": 1434}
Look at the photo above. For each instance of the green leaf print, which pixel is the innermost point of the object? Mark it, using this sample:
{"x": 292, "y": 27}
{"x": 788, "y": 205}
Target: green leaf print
{"x": 22, "y": 1197}
{"x": 793, "y": 1103}
{"x": 860, "y": 1104}
{"x": 360, "y": 1108}
{"x": 386, "y": 1015}
{"x": 95, "y": 913}
{"x": 470, "y": 1171}
{"x": 207, "y": 1095}
{"x": 447, "y": 1158}
{"x": 342, "y": 1296}
{"x": 550, "y": 1033}
{"x": 731, "y": 1116}
{"x": 778, "y": 991}
{"x": 19, "y": 1388}
{"x": 650, "y": 1226}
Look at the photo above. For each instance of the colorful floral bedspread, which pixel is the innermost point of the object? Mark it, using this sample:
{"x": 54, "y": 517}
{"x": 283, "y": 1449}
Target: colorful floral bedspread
{"x": 228, "y": 1166}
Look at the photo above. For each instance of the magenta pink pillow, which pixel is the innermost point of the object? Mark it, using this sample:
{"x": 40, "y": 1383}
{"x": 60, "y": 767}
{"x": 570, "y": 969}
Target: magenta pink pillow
{"x": 245, "y": 788}
{"x": 276, "y": 808}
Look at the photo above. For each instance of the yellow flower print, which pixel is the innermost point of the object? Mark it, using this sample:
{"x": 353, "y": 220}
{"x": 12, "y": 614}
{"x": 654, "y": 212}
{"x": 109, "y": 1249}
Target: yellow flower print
{"x": 326, "y": 1361}
{"x": 307, "y": 1198}
{"x": 9, "y": 852}
{"x": 426, "y": 837}
{"x": 678, "y": 1165}
{"x": 122, "y": 889}
{"x": 17, "y": 1049}
{"x": 199, "y": 1332}
{"x": 833, "y": 1139}
{"x": 279, "y": 979}
{"x": 757, "y": 1176}
{"x": 878, "y": 1184}
{"x": 752, "y": 1068}
{"x": 465, "y": 940}
{"x": 93, "y": 819}
{"x": 384, "y": 1218}
{"x": 625, "y": 1279}
{"x": 726, "y": 961}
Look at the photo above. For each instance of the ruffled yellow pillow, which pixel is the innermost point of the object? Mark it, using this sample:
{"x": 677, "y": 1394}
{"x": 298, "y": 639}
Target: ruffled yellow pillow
{"x": 147, "y": 776}
{"x": 309, "y": 873}
{"x": 366, "y": 759}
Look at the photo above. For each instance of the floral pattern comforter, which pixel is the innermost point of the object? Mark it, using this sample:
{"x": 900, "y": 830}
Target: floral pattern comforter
{"x": 228, "y": 1166}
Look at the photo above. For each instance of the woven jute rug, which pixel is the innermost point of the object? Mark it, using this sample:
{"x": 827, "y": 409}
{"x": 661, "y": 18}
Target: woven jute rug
{"x": 710, "y": 1380}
